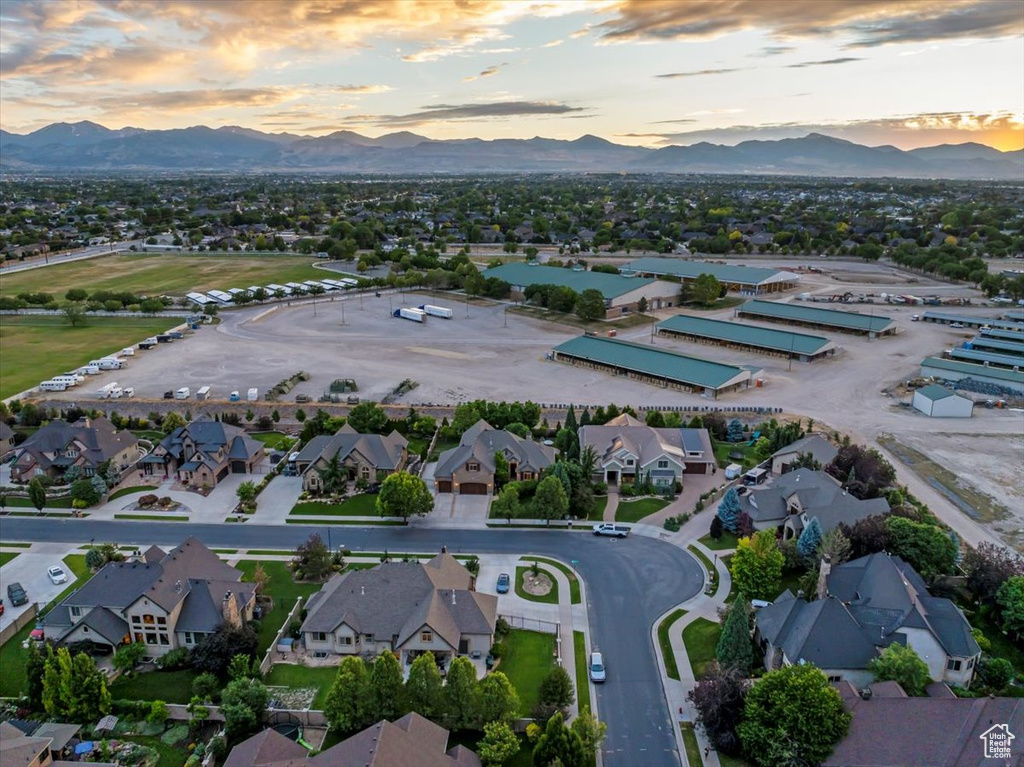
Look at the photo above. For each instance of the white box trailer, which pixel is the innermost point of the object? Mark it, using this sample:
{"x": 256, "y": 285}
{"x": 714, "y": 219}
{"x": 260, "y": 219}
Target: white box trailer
{"x": 182, "y": 393}
{"x": 348, "y": 282}
{"x": 203, "y": 392}
{"x": 91, "y": 370}
{"x": 416, "y": 315}
{"x": 52, "y": 386}
{"x": 108, "y": 363}
{"x": 253, "y": 394}
{"x": 104, "y": 392}
{"x": 67, "y": 379}
{"x": 129, "y": 391}
{"x": 438, "y": 311}
{"x": 275, "y": 288}
{"x": 128, "y": 351}
{"x": 199, "y": 299}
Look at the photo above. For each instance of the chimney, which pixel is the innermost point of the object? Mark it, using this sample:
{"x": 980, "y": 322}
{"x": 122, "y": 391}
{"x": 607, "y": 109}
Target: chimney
{"x": 453, "y": 596}
{"x": 229, "y": 610}
{"x": 823, "y": 573}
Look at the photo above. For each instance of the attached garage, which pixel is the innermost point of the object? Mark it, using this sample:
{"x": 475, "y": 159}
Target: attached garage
{"x": 239, "y": 467}
{"x": 444, "y": 485}
{"x": 472, "y": 488}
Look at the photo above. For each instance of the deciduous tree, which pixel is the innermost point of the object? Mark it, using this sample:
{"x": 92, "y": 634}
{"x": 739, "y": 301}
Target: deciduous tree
{"x": 404, "y": 495}
{"x": 386, "y": 691}
{"x": 1010, "y": 599}
{"x": 312, "y": 559}
{"x": 498, "y": 745}
{"x": 348, "y": 706}
{"x": 756, "y": 566}
{"x": 460, "y": 695}
{"x": 718, "y": 699}
{"x": 497, "y": 699}
{"x": 423, "y": 687}
{"x": 900, "y": 663}
{"x": 925, "y": 546}
{"x": 550, "y": 501}
{"x": 558, "y": 745}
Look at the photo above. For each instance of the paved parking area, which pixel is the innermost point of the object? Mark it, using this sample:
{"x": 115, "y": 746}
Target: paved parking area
{"x": 29, "y": 569}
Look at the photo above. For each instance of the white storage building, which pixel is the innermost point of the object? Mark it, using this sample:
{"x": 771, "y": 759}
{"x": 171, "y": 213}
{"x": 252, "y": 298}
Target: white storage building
{"x": 939, "y": 402}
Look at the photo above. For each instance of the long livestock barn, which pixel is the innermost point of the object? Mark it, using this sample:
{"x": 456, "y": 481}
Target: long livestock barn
{"x": 996, "y": 345}
{"x": 987, "y": 358}
{"x": 659, "y": 367}
{"x": 743, "y": 279}
{"x": 955, "y": 370}
{"x": 972, "y": 321}
{"x": 1003, "y": 335}
{"x": 812, "y": 316}
{"x": 801, "y": 346}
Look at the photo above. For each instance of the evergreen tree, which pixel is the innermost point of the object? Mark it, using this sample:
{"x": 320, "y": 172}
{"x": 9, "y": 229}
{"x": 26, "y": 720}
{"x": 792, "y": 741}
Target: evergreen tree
{"x": 348, "y": 705}
{"x": 460, "y": 695}
{"x": 655, "y": 419}
{"x": 570, "y": 420}
{"x": 809, "y": 541}
{"x": 498, "y": 745}
{"x": 585, "y": 417}
{"x": 558, "y": 744}
{"x": 734, "y": 646}
{"x": 35, "y": 667}
{"x": 729, "y": 509}
{"x": 423, "y": 687}
{"x": 716, "y": 528}
{"x": 735, "y": 431}
{"x": 386, "y": 687}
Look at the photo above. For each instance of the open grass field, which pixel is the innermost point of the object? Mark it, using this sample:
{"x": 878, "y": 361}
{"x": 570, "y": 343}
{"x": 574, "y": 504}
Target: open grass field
{"x": 528, "y": 657}
{"x": 35, "y": 348}
{"x": 160, "y": 274}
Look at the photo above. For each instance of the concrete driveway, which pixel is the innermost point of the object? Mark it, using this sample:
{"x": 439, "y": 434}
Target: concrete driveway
{"x": 452, "y": 510}
{"x": 278, "y": 498}
{"x": 29, "y": 569}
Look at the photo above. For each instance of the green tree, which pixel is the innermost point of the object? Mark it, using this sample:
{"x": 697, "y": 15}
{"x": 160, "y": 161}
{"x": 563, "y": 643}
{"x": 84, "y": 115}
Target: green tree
{"x": 501, "y": 470}
{"x": 151, "y": 306}
{"x": 368, "y": 418}
{"x": 128, "y": 656}
{"x": 74, "y": 314}
{"x": 590, "y": 305}
{"x": 997, "y": 673}
{"x": 642, "y": 305}
{"x": 76, "y": 294}
{"x": 591, "y": 731}
{"x": 729, "y": 509}
{"x": 734, "y": 647}
{"x": 925, "y": 546}
{"x": 158, "y": 713}
{"x": 558, "y": 744}
{"x": 836, "y": 546}
{"x": 556, "y": 693}
{"x": 205, "y": 686}
{"x": 386, "y": 693}
{"x": 404, "y": 495}
{"x": 506, "y": 505}
{"x": 83, "y": 491}
{"x": 423, "y": 687}
{"x": 706, "y": 289}
{"x": 37, "y": 494}
{"x": 900, "y": 663}
{"x": 171, "y": 422}
{"x": 498, "y": 745}
{"x": 550, "y": 500}
{"x": 1010, "y": 599}
{"x": 244, "y": 704}
{"x": 333, "y": 476}
{"x": 460, "y": 695}
{"x": 312, "y": 559}
{"x": 497, "y": 699}
{"x": 84, "y": 690}
{"x": 300, "y": 415}
{"x": 35, "y": 667}
{"x": 809, "y": 541}
{"x": 792, "y": 716}
{"x": 348, "y": 706}
{"x": 246, "y": 492}
{"x": 756, "y": 566}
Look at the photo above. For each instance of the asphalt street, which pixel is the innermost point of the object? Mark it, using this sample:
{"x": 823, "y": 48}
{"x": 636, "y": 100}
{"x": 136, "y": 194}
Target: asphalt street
{"x": 630, "y": 583}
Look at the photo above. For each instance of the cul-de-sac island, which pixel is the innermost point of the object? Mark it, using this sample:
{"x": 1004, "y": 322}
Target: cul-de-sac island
{"x": 703, "y": 446}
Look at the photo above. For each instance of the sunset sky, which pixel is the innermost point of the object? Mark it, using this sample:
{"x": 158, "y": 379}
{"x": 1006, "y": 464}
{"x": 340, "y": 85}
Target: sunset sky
{"x": 908, "y": 73}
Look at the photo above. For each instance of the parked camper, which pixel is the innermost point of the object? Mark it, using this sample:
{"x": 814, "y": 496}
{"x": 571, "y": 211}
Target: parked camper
{"x": 129, "y": 391}
{"x": 67, "y": 379}
{"x": 203, "y": 393}
{"x": 733, "y": 470}
{"x": 91, "y": 370}
{"x": 253, "y": 395}
{"x": 438, "y": 311}
{"x": 110, "y": 363}
{"x": 755, "y": 476}
{"x": 104, "y": 392}
{"x": 182, "y": 393}
{"x": 52, "y": 386}
{"x": 235, "y": 396}
{"x": 416, "y": 315}
{"x": 128, "y": 351}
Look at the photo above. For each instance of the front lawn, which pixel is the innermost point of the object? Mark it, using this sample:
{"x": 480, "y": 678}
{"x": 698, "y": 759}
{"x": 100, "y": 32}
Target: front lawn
{"x": 666, "y": 646}
{"x": 298, "y": 677}
{"x": 364, "y": 505}
{"x": 701, "y": 641}
{"x": 727, "y": 542}
{"x": 551, "y": 598}
{"x": 579, "y": 644}
{"x": 574, "y": 583}
{"x": 168, "y": 686}
{"x": 634, "y": 511}
{"x": 283, "y": 589}
{"x": 528, "y": 657}
{"x": 129, "y": 490}
{"x": 7, "y": 556}
{"x": 692, "y": 747}
{"x": 600, "y": 504}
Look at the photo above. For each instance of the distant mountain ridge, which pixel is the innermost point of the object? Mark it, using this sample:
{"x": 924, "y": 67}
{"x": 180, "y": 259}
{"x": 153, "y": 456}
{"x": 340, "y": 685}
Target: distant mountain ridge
{"x": 88, "y": 146}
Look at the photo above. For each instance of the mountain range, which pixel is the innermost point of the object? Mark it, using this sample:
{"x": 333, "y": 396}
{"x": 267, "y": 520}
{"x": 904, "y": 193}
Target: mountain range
{"x": 86, "y": 146}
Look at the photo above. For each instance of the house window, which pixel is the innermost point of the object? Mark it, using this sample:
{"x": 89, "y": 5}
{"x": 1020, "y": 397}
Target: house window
{"x": 346, "y": 640}
{"x": 148, "y": 620}
{"x": 150, "y": 638}
{"x": 367, "y": 637}
{"x": 834, "y": 678}
{"x": 366, "y": 472}
{"x": 426, "y": 636}
{"x": 662, "y": 464}
{"x": 188, "y": 637}
{"x": 953, "y": 665}
{"x": 136, "y": 619}
{"x": 85, "y": 629}
{"x": 319, "y": 636}
{"x": 164, "y": 639}
{"x": 472, "y": 467}
{"x": 970, "y": 663}
{"x": 138, "y": 636}
{"x": 76, "y": 612}
{"x": 629, "y": 461}
{"x": 161, "y": 621}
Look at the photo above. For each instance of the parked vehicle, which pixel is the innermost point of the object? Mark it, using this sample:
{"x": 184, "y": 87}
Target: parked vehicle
{"x": 128, "y": 391}
{"x": 957, "y": 325}
{"x": 302, "y": 398}
{"x": 203, "y": 393}
{"x": 597, "y": 668}
{"x": 416, "y": 315}
{"x": 253, "y": 394}
{"x": 438, "y": 311}
{"x": 235, "y": 396}
{"x": 128, "y": 351}
{"x": 611, "y": 529}
{"x": 755, "y": 476}
{"x": 168, "y": 395}
{"x": 182, "y": 393}
{"x": 503, "y": 583}
{"x": 56, "y": 574}
{"x": 52, "y": 386}
{"x": 16, "y": 594}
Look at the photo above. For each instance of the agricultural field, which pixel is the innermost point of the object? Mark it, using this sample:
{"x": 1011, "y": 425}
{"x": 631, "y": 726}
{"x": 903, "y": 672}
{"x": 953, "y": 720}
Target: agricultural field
{"x": 162, "y": 274}
{"x": 35, "y": 348}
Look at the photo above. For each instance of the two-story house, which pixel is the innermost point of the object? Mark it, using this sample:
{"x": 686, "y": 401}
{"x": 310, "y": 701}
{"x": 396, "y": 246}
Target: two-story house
{"x": 862, "y": 607}
{"x": 628, "y": 450}
{"x": 204, "y": 452}
{"x": 794, "y": 498}
{"x": 164, "y": 600}
{"x": 407, "y": 608}
{"x": 469, "y": 468}
{"x": 86, "y": 443}
{"x": 362, "y": 456}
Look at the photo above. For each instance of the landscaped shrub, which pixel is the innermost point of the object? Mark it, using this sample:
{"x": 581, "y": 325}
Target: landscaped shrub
{"x": 175, "y": 659}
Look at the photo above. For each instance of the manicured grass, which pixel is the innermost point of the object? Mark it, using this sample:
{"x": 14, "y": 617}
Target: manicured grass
{"x": 701, "y": 640}
{"x": 710, "y": 568}
{"x": 574, "y": 583}
{"x": 287, "y": 675}
{"x": 153, "y": 518}
{"x": 528, "y": 657}
{"x": 36, "y": 348}
{"x": 732, "y": 761}
{"x": 168, "y": 686}
{"x": 274, "y": 440}
{"x": 551, "y": 598}
{"x": 11, "y": 545}
{"x": 129, "y": 490}
{"x": 7, "y": 556}
{"x": 722, "y": 450}
{"x": 666, "y": 647}
{"x": 283, "y": 589}
{"x": 357, "y": 522}
{"x": 224, "y": 551}
{"x": 151, "y": 434}
{"x": 726, "y": 561}
{"x": 727, "y": 542}
{"x": 634, "y": 511}
{"x": 15, "y": 502}
{"x": 579, "y": 644}
{"x": 364, "y": 505}
{"x": 170, "y": 756}
{"x": 600, "y": 504}
{"x": 156, "y": 274}
{"x": 693, "y": 757}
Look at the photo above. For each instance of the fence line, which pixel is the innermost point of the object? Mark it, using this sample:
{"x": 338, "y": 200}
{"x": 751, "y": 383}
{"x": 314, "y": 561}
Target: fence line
{"x": 266, "y": 663}
{"x": 531, "y": 624}
{"x": 19, "y": 623}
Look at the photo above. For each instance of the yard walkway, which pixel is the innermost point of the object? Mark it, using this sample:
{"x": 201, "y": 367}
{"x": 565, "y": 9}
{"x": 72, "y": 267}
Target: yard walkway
{"x": 612, "y": 506}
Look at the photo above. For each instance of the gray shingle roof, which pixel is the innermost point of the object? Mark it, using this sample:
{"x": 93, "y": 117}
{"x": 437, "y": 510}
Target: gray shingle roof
{"x": 481, "y": 441}
{"x": 819, "y": 496}
{"x": 814, "y": 445}
{"x": 645, "y": 442}
{"x": 383, "y": 452}
{"x": 98, "y": 437}
{"x": 108, "y": 625}
{"x": 211, "y": 436}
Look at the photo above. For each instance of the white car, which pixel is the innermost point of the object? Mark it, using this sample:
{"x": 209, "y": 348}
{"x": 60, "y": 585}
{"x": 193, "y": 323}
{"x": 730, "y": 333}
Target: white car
{"x": 57, "y": 574}
{"x": 957, "y": 325}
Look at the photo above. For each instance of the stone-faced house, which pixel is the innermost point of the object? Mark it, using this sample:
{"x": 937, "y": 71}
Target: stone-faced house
{"x": 627, "y": 449}
{"x": 164, "y": 600}
{"x": 407, "y": 608}
{"x": 864, "y": 606}
{"x": 204, "y": 452}
{"x": 797, "y": 496}
{"x": 469, "y": 468}
{"x": 87, "y": 444}
{"x": 363, "y": 456}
